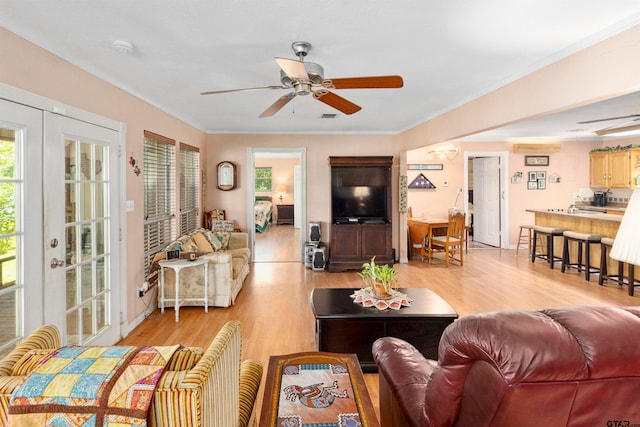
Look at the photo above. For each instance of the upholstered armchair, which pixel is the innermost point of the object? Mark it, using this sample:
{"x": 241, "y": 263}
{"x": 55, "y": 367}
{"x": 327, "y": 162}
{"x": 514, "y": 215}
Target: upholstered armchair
{"x": 19, "y": 362}
{"x": 555, "y": 367}
{"x": 210, "y": 388}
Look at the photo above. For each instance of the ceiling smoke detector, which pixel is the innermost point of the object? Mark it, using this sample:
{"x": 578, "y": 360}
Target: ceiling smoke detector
{"x": 122, "y": 46}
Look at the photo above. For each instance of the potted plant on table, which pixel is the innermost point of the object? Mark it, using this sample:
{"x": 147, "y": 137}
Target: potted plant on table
{"x": 379, "y": 278}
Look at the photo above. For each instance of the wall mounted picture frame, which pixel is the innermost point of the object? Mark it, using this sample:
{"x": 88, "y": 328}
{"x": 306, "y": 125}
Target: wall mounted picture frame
{"x": 536, "y": 160}
{"x": 226, "y": 172}
{"x": 532, "y": 176}
{"x": 425, "y": 167}
{"x": 532, "y": 185}
{"x": 541, "y": 175}
{"x": 542, "y": 184}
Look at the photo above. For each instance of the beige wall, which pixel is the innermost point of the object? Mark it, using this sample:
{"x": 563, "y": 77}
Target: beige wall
{"x": 571, "y": 164}
{"x": 318, "y": 147}
{"x": 608, "y": 69}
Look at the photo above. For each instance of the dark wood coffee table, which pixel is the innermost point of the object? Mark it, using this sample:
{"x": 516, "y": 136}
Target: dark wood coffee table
{"x": 343, "y": 326}
{"x": 303, "y": 383}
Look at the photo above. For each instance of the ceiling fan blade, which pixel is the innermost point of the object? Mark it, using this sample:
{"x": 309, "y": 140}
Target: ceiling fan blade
{"x": 619, "y": 129}
{"x": 609, "y": 118}
{"x": 215, "y": 92}
{"x": 338, "y": 102}
{"x": 372, "y": 82}
{"x": 292, "y": 68}
{"x": 277, "y": 106}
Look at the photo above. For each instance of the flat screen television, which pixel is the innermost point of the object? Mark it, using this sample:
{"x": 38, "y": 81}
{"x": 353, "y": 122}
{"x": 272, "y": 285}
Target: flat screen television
{"x": 359, "y": 201}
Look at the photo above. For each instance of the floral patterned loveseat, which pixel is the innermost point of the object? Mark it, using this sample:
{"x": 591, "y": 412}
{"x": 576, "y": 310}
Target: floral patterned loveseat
{"x": 228, "y": 254}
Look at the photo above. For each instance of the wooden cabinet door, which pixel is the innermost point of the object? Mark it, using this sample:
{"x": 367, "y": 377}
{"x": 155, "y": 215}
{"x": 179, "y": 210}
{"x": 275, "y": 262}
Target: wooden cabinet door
{"x": 620, "y": 169}
{"x": 345, "y": 242}
{"x": 598, "y": 169}
{"x": 376, "y": 241}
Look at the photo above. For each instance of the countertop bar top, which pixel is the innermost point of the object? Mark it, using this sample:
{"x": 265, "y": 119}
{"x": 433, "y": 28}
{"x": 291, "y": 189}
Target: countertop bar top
{"x": 593, "y": 215}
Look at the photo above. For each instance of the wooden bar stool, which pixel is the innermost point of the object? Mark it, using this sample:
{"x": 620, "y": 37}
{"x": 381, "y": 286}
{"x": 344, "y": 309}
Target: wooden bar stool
{"x": 525, "y": 238}
{"x": 582, "y": 239}
{"x": 550, "y": 234}
{"x": 605, "y": 244}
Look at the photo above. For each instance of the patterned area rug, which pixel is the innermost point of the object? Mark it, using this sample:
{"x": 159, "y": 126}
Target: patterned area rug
{"x": 314, "y": 395}
{"x": 90, "y": 386}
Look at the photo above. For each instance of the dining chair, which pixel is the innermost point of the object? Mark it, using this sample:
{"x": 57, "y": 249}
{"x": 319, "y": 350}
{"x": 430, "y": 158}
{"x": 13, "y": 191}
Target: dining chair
{"x": 453, "y": 241}
{"x": 418, "y": 238}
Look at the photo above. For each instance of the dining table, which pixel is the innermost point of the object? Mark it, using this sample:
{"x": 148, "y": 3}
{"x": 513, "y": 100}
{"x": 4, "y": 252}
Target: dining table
{"x": 433, "y": 224}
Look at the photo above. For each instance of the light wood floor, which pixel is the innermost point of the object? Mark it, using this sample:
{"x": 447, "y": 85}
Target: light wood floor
{"x": 279, "y": 243}
{"x": 273, "y": 305}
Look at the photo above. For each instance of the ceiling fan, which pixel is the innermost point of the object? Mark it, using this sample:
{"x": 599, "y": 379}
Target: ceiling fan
{"x": 307, "y": 78}
{"x": 618, "y": 128}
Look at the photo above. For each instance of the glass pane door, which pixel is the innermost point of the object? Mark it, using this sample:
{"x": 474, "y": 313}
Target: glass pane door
{"x": 81, "y": 231}
{"x": 20, "y": 134}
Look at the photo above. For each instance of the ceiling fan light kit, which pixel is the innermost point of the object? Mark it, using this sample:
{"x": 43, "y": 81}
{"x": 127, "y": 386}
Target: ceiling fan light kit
{"x": 307, "y": 78}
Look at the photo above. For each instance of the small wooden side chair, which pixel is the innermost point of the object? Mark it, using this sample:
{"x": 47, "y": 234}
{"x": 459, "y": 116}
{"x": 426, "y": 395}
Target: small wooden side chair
{"x": 454, "y": 240}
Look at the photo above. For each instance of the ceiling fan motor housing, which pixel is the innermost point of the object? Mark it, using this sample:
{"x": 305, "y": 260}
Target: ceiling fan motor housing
{"x": 315, "y": 72}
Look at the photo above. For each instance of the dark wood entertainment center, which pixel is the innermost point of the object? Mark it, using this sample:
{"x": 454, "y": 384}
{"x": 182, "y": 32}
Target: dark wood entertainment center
{"x": 360, "y": 226}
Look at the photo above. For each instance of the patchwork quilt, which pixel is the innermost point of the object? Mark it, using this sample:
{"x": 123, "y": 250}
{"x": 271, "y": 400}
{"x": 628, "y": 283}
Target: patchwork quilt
{"x": 90, "y": 386}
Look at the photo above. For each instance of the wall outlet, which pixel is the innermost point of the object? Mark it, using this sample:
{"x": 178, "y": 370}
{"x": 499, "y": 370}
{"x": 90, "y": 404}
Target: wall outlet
{"x": 142, "y": 289}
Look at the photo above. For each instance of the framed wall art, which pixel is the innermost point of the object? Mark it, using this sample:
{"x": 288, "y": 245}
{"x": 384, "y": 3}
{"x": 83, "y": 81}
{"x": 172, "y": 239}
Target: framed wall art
{"x": 536, "y": 160}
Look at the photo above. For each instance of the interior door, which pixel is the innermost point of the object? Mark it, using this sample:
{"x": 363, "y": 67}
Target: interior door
{"x": 80, "y": 231}
{"x": 297, "y": 196}
{"x": 486, "y": 200}
{"x": 20, "y": 222}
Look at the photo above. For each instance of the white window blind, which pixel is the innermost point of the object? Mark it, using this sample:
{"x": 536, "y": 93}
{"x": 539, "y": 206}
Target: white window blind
{"x": 159, "y": 194}
{"x": 189, "y": 188}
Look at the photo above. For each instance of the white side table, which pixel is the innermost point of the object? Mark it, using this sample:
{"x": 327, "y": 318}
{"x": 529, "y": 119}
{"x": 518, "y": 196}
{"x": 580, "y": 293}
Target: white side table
{"x": 177, "y": 265}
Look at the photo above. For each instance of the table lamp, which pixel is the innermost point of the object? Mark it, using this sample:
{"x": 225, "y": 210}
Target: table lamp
{"x": 626, "y": 246}
{"x": 280, "y": 188}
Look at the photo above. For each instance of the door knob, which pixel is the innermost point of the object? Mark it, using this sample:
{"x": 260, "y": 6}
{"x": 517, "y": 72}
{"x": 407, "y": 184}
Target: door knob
{"x": 55, "y": 263}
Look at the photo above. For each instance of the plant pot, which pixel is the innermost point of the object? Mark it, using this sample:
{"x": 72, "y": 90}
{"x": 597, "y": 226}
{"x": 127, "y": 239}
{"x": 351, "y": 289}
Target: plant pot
{"x": 380, "y": 292}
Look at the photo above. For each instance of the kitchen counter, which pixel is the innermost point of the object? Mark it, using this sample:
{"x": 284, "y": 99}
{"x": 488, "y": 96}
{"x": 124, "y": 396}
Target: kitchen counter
{"x": 584, "y": 214}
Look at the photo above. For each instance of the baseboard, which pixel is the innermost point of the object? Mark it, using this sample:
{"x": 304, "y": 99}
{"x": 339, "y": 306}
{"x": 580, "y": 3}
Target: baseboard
{"x": 128, "y": 327}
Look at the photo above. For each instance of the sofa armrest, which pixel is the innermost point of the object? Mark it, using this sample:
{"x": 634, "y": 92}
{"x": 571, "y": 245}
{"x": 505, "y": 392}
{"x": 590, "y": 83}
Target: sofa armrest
{"x": 238, "y": 240}
{"x": 250, "y": 378}
{"x": 404, "y": 376}
{"x": 45, "y": 337}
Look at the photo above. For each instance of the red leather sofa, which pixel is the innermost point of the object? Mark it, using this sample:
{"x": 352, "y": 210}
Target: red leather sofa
{"x": 568, "y": 366}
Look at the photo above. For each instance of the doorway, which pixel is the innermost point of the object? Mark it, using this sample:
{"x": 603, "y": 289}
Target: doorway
{"x": 280, "y": 241}
{"x": 487, "y": 198}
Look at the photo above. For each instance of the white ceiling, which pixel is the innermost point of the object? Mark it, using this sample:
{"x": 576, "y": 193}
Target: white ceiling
{"x": 448, "y": 52}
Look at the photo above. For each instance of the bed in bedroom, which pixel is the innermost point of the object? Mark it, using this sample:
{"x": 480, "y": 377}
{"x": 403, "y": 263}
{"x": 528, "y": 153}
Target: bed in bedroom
{"x": 263, "y": 208}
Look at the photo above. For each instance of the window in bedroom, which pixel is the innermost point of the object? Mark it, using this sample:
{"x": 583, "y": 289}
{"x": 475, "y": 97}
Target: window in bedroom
{"x": 159, "y": 194}
{"x": 263, "y": 179}
{"x": 189, "y": 188}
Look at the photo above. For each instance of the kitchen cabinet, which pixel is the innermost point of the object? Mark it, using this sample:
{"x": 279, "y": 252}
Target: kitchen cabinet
{"x": 610, "y": 169}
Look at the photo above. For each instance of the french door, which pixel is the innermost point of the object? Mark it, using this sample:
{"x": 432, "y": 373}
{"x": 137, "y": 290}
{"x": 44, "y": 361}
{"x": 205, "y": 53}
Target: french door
{"x": 81, "y": 230}
{"x": 59, "y": 226}
{"x": 21, "y": 273}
